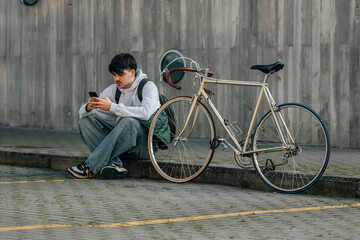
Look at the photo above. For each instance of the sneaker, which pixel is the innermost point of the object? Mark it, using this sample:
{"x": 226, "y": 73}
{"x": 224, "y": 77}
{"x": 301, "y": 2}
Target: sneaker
{"x": 81, "y": 171}
{"x": 113, "y": 171}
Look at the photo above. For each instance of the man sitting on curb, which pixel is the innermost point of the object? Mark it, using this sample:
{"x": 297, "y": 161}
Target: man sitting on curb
{"x": 112, "y": 130}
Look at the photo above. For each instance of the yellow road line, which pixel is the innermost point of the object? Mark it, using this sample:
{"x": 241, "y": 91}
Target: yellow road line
{"x": 182, "y": 219}
{"x": 34, "y": 227}
{"x": 41, "y": 181}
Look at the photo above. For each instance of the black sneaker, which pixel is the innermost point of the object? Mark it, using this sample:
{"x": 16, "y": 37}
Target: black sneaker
{"x": 113, "y": 171}
{"x": 81, "y": 171}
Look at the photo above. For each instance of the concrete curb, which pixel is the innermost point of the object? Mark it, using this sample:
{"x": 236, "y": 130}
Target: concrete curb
{"x": 326, "y": 186}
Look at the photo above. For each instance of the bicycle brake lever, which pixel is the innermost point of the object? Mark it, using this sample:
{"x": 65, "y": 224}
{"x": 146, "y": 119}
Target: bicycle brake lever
{"x": 194, "y": 82}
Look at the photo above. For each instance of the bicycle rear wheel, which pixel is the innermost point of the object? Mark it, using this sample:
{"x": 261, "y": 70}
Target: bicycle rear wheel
{"x": 298, "y": 167}
{"x": 188, "y": 155}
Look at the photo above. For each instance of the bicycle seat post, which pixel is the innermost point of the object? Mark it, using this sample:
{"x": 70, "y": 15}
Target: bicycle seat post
{"x": 266, "y": 78}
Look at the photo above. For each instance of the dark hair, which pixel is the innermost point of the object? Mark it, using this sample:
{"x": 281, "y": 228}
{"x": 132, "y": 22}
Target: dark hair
{"x": 122, "y": 61}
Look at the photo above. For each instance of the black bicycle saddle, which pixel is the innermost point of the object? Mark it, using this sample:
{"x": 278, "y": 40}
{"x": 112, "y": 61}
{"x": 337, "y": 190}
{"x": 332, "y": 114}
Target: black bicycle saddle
{"x": 271, "y": 68}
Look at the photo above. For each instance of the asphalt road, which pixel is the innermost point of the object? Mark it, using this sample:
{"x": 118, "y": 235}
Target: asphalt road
{"x": 46, "y": 204}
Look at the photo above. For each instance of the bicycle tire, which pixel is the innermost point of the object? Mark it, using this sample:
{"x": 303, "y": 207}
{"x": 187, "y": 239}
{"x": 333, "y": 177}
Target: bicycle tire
{"x": 186, "y": 157}
{"x": 297, "y": 169}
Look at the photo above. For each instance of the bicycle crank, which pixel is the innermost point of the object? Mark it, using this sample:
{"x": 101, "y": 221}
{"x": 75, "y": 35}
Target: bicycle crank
{"x": 241, "y": 160}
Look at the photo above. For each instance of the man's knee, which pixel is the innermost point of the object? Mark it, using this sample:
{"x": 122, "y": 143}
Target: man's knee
{"x": 84, "y": 121}
{"x": 86, "y": 124}
{"x": 129, "y": 126}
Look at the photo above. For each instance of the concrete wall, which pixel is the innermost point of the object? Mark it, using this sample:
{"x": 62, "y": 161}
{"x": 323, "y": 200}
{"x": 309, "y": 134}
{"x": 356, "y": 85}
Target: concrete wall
{"x": 53, "y": 53}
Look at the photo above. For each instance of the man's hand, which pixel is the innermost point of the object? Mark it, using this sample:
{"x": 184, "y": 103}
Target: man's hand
{"x": 100, "y": 103}
{"x": 90, "y": 103}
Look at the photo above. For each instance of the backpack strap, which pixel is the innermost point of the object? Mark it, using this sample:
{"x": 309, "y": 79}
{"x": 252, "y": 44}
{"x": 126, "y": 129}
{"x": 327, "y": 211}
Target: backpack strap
{"x": 139, "y": 90}
{"x": 117, "y": 95}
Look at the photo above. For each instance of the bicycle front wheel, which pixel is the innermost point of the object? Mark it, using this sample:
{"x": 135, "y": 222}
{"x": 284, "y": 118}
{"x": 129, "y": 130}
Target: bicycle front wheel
{"x": 188, "y": 154}
{"x": 305, "y": 155}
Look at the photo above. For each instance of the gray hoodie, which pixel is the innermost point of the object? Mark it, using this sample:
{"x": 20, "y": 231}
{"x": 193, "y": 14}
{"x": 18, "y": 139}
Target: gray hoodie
{"x": 129, "y": 104}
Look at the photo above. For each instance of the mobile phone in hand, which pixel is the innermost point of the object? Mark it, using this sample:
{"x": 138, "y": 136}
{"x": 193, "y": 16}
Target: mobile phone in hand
{"x": 93, "y": 94}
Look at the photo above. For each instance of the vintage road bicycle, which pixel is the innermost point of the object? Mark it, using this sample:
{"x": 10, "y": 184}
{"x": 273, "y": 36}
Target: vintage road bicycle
{"x": 289, "y": 147}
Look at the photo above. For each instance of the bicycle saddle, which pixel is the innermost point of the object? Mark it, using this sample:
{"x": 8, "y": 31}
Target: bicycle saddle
{"x": 271, "y": 68}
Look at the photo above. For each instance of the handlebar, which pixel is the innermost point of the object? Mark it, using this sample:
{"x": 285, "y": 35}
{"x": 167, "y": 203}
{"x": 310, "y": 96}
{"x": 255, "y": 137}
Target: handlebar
{"x": 188, "y": 69}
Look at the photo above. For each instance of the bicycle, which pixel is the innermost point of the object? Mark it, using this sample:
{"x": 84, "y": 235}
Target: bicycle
{"x": 289, "y": 147}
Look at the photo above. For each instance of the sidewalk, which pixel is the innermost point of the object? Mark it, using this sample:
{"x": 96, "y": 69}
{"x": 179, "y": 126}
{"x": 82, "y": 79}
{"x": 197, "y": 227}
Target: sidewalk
{"x": 58, "y": 149}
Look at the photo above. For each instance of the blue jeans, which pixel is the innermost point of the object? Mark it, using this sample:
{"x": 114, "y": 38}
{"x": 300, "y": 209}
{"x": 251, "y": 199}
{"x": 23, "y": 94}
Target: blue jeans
{"x": 109, "y": 141}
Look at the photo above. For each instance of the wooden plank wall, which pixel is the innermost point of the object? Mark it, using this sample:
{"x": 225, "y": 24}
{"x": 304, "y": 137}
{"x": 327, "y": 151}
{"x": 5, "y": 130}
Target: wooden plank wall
{"x": 53, "y": 53}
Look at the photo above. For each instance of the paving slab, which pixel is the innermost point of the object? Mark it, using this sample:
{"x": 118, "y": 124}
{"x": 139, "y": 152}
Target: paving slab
{"x": 43, "y": 204}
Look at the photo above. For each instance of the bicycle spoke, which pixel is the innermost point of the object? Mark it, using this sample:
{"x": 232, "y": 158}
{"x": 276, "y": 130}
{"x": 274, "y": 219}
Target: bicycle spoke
{"x": 303, "y": 163}
{"x": 189, "y": 154}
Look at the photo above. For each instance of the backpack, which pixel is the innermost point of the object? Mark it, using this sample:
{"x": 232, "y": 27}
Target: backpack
{"x": 169, "y": 111}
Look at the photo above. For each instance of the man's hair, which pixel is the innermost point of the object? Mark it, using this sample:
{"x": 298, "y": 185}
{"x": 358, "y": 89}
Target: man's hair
{"x": 122, "y": 61}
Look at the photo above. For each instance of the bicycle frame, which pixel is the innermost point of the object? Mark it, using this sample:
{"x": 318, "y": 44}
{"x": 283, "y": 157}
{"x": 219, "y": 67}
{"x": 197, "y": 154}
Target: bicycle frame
{"x": 269, "y": 146}
{"x": 278, "y": 118}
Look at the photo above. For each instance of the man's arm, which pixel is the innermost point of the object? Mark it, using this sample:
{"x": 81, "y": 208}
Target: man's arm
{"x": 91, "y": 103}
{"x": 149, "y": 104}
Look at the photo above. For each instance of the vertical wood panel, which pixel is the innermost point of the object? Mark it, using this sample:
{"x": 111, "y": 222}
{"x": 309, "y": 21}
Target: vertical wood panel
{"x": 354, "y": 79}
{"x": 4, "y": 92}
{"x": 53, "y": 53}
{"x": 4, "y": 40}
{"x": 315, "y": 55}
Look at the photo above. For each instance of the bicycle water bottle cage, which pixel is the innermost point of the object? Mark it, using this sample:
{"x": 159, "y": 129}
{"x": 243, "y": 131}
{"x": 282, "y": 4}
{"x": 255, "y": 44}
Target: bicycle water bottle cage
{"x": 271, "y": 68}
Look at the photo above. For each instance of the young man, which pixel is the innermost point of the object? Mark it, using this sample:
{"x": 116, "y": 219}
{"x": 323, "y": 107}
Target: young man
{"x": 112, "y": 130}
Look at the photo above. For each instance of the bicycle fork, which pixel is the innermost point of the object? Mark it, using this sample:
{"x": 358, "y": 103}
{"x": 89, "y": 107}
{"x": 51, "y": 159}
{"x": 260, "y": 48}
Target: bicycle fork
{"x": 195, "y": 99}
{"x": 180, "y": 137}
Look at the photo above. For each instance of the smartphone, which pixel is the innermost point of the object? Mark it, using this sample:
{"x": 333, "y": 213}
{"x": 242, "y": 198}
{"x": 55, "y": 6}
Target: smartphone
{"x": 93, "y": 94}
